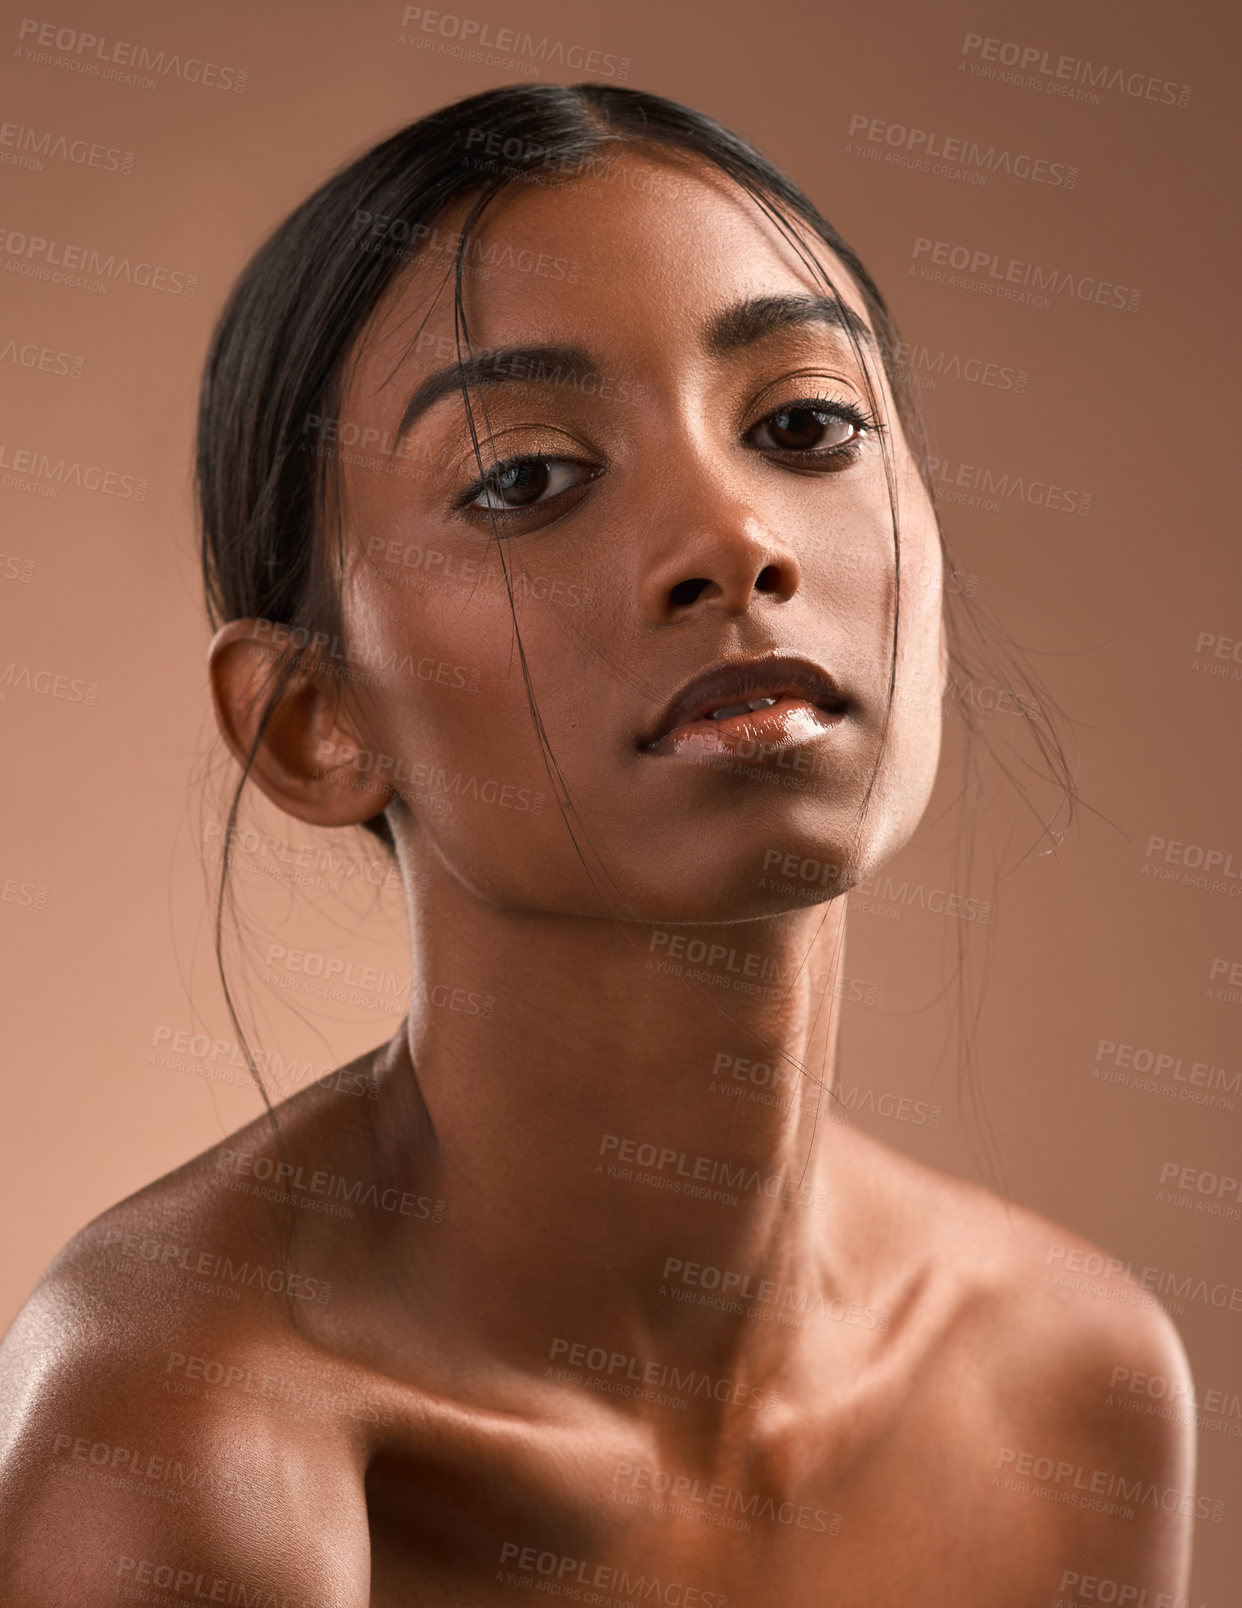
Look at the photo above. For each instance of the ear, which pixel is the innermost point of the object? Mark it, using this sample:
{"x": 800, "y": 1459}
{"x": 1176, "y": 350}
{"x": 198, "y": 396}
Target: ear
{"x": 305, "y": 757}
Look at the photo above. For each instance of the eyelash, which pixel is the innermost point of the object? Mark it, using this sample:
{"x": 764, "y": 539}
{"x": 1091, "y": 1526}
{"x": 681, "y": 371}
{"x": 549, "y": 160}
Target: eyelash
{"x": 842, "y": 455}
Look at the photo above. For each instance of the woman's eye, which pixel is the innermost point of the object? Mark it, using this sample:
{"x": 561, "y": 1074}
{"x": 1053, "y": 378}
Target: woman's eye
{"x": 811, "y": 427}
{"x": 524, "y": 481}
{"x": 830, "y": 433}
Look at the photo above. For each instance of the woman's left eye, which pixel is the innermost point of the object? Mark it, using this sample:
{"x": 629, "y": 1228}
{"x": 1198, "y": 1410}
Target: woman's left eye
{"x": 814, "y": 428}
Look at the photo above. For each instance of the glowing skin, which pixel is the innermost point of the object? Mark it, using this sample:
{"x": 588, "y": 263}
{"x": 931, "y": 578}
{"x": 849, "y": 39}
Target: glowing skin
{"x": 683, "y": 498}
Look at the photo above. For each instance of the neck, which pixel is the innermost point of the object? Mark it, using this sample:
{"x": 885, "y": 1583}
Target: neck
{"x": 620, "y": 1118}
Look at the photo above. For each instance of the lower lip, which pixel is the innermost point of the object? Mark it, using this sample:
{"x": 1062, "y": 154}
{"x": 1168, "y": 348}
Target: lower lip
{"x": 785, "y": 724}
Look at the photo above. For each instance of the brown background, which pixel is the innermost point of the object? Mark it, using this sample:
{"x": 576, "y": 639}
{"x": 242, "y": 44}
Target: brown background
{"x": 108, "y": 803}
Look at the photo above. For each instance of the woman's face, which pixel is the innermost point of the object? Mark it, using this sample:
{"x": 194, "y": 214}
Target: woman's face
{"x": 699, "y": 484}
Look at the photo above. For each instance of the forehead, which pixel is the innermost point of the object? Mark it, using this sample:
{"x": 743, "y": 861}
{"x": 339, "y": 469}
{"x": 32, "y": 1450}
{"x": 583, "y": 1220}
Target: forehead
{"x": 639, "y": 258}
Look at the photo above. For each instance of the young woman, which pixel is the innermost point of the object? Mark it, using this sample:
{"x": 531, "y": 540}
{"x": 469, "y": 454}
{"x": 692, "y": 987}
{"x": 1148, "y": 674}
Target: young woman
{"x": 570, "y": 396}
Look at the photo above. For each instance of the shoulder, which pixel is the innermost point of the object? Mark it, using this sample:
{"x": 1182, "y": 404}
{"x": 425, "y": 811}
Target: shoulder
{"x": 1074, "y": 1389}
{"x": 1119, "y": 1462}
{"x": 1048, "y": 1291}
{"x": 162, "y": 1418}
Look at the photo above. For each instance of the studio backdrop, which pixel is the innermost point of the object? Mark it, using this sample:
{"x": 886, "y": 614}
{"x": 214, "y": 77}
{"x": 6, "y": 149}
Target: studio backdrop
{"x": 1049, "y": 1005}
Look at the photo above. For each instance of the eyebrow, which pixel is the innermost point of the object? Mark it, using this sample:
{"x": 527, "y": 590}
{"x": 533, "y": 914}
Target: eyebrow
{"x": 752, "y": 320}
{"x": 508, "y": 365}
{"x": 728, "y": 332}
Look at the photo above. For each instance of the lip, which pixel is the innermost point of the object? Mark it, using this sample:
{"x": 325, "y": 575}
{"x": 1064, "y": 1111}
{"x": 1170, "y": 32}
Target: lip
{"x": 808, "y": 702}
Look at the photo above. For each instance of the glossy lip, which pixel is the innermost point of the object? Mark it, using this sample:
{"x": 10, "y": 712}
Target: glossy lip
{"x": 739, "y": 680}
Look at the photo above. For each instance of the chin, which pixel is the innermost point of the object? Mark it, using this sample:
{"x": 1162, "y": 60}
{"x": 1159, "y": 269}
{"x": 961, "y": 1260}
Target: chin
{"x": 773, "y": 883}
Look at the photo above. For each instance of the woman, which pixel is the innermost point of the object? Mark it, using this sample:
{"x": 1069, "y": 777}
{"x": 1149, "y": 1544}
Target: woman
{"x": 542, "y": 1312}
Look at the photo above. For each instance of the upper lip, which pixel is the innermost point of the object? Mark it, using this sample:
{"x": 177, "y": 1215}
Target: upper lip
{"x": 739, "y": 680}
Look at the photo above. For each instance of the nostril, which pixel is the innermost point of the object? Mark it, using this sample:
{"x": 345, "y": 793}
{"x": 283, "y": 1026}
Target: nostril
{"x": 687, "y": 592}
{"x": 769, "y": 579}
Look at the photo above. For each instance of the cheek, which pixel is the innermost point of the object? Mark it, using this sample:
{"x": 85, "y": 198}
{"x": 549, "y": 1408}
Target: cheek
{"x": 915, "y": 588}
{"x": 913, "y": 747}
{"x": 441, "y": 690}
{"x": 444, "y": 683}
{"x": 921, "y": 633}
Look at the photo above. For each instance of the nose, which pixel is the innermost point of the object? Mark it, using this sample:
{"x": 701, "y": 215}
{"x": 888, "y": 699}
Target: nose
{"x": 715, "y": 554}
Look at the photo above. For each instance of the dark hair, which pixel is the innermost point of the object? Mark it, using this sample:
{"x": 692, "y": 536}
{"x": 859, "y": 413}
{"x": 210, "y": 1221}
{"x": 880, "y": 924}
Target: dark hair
{"x": 280, "y": 351}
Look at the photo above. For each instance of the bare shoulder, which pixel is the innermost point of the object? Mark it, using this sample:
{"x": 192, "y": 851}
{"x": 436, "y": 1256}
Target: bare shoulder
{"x": 164, "y": 1419}
{"x": 1067, "y": 1372}
{"x": 1052, "y": 1294}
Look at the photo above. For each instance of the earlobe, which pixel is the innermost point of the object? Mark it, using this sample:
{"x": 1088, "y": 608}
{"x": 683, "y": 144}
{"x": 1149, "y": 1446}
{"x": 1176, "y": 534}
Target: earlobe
{"x": 305, "y": 748}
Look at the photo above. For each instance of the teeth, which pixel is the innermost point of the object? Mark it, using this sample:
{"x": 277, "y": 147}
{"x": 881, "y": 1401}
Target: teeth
{"x": 727, "y": 711}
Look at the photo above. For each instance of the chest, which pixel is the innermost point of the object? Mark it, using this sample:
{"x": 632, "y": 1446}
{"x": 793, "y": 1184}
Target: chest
{"x": 613, "y": 1525}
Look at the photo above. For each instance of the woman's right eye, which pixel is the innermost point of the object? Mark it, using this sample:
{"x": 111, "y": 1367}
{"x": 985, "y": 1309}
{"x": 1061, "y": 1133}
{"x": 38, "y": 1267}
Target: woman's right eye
{"x": 523, "y": 482}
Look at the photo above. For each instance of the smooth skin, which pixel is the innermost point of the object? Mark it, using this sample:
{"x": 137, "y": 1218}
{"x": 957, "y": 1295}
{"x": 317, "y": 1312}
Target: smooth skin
{"x": 413, "y": 1424}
